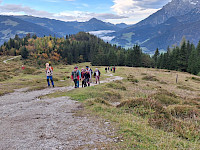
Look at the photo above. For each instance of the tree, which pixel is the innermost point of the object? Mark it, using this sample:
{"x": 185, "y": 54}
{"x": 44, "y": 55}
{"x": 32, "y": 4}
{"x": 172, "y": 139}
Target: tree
{"x": 155, "y": 58}
{"x": 24, "y": 52}
{"x": 137, "y": 56}
{"x": 182, "y": 59}
{"x": 193, "y": 63}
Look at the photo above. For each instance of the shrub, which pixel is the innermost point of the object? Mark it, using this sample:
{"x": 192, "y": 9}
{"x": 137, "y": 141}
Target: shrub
{"x": 195, "y": 78}
{"x": 112, "y": 96}
{"x": 166, "y": 98}
{"x": 116, "y": 86}
{"x": 150, "y": 78}
{"x": 29, "y": 70}
{"x": 184, "y": 111}
{"x": 132, "y": 79}
{"x": 183, "y": 87}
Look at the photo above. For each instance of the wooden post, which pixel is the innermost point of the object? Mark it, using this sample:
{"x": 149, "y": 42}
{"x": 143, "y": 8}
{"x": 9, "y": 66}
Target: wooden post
{"x": 177, "y": 78}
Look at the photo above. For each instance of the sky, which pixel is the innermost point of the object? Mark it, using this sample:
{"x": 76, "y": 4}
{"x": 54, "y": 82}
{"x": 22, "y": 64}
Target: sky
{"x": 114, "y": 11}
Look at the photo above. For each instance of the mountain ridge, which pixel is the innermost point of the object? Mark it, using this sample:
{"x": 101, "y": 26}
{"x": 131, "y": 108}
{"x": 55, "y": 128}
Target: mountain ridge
{"x": 156, "y": 32}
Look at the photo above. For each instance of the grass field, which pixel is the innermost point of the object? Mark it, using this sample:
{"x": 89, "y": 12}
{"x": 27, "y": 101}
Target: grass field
{"x": 149, "y": 109}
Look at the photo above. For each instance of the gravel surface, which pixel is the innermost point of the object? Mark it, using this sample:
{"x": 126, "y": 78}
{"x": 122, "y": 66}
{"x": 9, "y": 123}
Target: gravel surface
{"x": 27, "y": 122}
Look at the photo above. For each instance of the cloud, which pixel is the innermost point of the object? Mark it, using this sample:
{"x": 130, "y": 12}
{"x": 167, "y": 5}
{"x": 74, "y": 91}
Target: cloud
{"x": 84, "y": 16}
{"x": 137, "y": 10}
{"x": 13, "y": 8}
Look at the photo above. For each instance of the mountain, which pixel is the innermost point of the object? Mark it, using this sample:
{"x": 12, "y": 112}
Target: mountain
{"x": 10, "y": 26}
{"x": 21, "y": 25}
{"x": 122, "y": 25}
{"x": 73, "y": 27}
{"x": 164, "y": 28}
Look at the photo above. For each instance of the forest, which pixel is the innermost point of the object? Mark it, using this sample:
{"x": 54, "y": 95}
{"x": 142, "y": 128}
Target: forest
{"x": 84, "y": 47}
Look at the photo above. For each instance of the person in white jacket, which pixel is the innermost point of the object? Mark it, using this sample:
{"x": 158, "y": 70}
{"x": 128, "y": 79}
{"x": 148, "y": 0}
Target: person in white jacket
{"x": 49, "y": 74}
{"x": 97, "y": 74}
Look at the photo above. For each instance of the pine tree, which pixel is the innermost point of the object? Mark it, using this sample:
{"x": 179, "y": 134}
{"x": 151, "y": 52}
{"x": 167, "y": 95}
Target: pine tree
{"x": 24, "y": 52}
{"x": 193, "y": 62}
{"x": 182, "y": 59}
{"x": 155, "y": 58}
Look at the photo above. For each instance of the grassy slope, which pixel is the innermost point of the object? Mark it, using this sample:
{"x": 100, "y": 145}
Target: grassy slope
{"x": 153, "y": 111}
{"x": 141, "y": 126}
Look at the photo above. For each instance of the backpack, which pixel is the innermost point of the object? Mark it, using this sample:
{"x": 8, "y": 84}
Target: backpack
{"x": 49, "y": 71}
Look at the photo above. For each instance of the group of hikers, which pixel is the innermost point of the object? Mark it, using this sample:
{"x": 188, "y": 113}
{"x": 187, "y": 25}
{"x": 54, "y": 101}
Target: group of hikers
{"x": 85, "y": 75}
{"x": 110, "y": 68}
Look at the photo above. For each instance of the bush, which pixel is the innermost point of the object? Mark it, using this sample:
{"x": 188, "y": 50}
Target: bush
{"x": 184, "y": 111}
{"x": 29, "y": 71}
{"x": 166, "y": 98}
{"x": 195, "y": 78}
{"x": 132, "y": 79}
{"x": 150, "y": 78}
{"x": 183, "y": 87}
{"x": 116, "y": 86}
{"x": 112, "y": 96}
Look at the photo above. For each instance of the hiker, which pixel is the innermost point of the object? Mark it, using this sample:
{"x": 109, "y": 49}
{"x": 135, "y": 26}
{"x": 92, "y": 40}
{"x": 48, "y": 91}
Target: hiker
{"x": 49, "y": 74}
{"x": 83, "y": 74}
{"x": 111, "y": 69}
{"x": 106, "y": 69}
{"x": 114, "y": 69}
{"x": 75, "y": 76}
{"x": 23, "y": 67}
{"x": 87, "y": 78}
{"x": 97, "y": 74}
{"x": 79, "y": 77}
{"x": 90, "y": 72}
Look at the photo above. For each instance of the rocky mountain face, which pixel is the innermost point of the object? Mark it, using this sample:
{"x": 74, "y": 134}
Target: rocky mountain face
{"x": 166, "y": 27}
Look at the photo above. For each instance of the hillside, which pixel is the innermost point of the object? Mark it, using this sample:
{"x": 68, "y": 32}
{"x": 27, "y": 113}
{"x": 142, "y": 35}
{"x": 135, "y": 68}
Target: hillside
{"x": 10, "y": 26}
{"x": 145, "y": 110}
{"x": 85, "y": 47}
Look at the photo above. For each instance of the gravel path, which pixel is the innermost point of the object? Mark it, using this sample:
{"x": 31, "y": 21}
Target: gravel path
{"x": 27, "y": 122}
{"x": 5, "y": 61}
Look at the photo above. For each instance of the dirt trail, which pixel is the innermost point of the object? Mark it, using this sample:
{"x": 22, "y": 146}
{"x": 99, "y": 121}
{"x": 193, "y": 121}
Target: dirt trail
{"x": 5, "y": 61}
{"x": 30, "y": 123}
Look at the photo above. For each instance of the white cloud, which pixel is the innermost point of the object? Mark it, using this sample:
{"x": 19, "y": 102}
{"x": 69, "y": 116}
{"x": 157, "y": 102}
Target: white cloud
{"x": 19, "y": 9}
{"x": 137, "y": 10}
{"x": 13, "y": 9}
{"x": 128, "y": 11}
{"x": 84, "y": 16}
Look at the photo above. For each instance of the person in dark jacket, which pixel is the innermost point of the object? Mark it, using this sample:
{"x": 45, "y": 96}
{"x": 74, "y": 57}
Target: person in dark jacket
{"x": 87, "y": 78}
{"x": 75, "y": 76}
